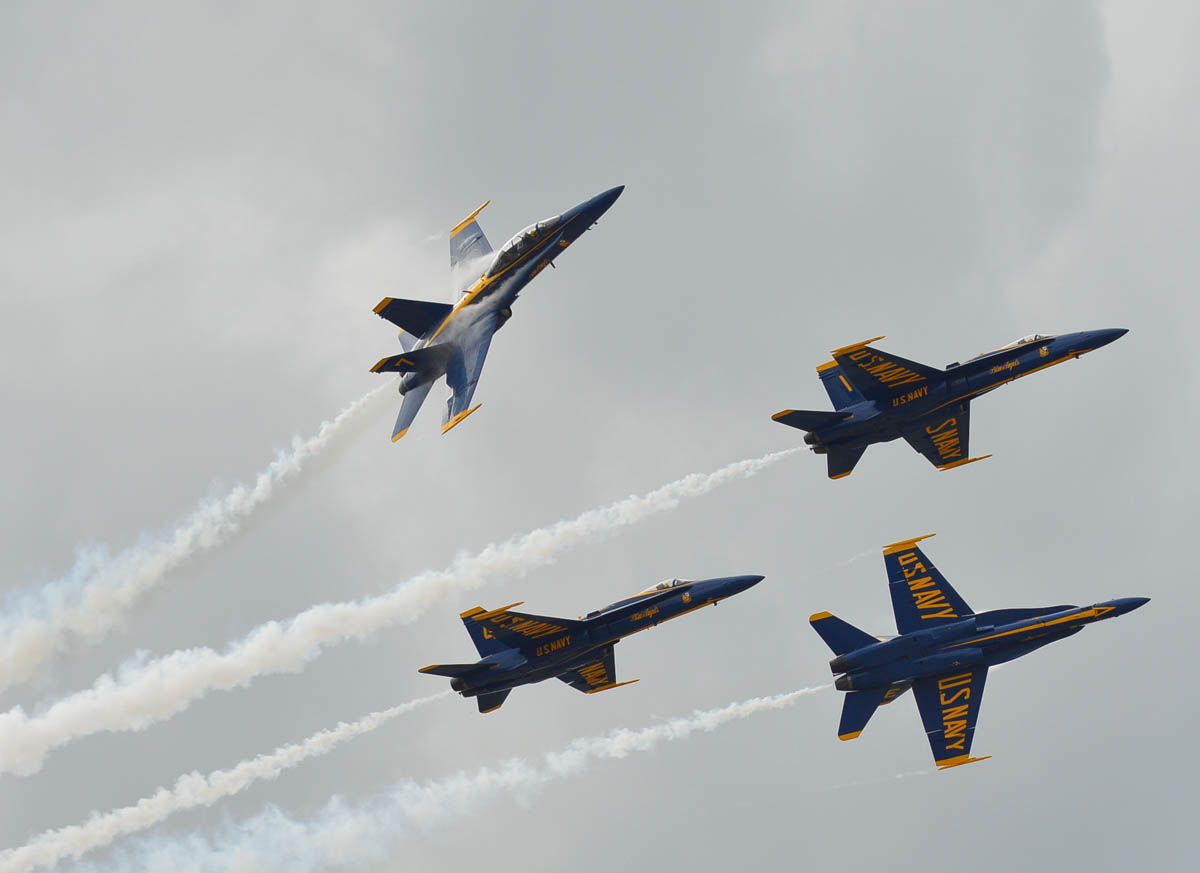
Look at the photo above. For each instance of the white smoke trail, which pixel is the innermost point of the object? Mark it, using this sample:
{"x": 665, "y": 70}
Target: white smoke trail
{"x": 190, "y": 791}
{"x": 344, "y": 837}
{"x": 91, "y": 599}
{"x": 144, "y": 692}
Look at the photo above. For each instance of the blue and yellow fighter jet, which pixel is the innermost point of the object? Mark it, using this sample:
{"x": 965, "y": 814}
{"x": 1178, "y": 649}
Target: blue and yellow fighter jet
{"x": 943, "y": 651}
{"x": 517, "y": 648}
{"x": 440, "y": 339}
{"x": 879, "y": 397}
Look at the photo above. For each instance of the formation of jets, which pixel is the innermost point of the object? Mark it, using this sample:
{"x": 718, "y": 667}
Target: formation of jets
{"x": 943, "y": 648}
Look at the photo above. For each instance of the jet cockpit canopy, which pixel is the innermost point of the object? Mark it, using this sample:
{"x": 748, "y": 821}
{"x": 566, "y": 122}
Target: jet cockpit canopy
{"x": 1033, "y": 338}
{"x": 512, "y": 250}
{"x": 669, "y": 583}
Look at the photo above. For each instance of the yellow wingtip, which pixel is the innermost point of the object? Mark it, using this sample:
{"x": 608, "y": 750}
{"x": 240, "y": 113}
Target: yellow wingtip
{"x": 483, "y": 616}
{"x": 958, "y": 761}
{"x": 828, "y": 365}
{"x": 458, "y": 418}
{"x": 963, "y": 462}
{"x": 612, "y": 685}
{"x": 853, "y": 735}
{"x": 490, "y": 709}
{"x": 457, "y": 229}
{"x": 382, "y": 305}
{"x": 854, "y": 347}
{"x": 892, "y": 548}
{"x": 842, "y": 475}
{"x": 819, "y": 616}
{"x": 396, "y": 438}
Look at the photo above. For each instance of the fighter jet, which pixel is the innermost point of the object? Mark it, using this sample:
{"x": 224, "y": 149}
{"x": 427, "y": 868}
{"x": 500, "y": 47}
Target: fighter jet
{"x": 943, "y": 651}
{"x": 879, "y": 397}
{"x": 440, "y": 339}
{"x": 517, "y": 648}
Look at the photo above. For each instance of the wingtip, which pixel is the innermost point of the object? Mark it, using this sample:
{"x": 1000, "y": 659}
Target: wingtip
{"x": 383, "y": 304}
{"x": 902, "y": 545}
{"x": 396, "y": 437}
{"x": 458, "y": 419}
{"x": 457, "y": 229}
{"x": 482, "y": 616}
{"x": 958, "y": 761}
{"x": 612, "y": 685}
{"x": 853, "y": 735}
{"x": 962, "y": 463}
{"x": 781, "y": 414}
{"x": 819, "y": 616}
{"x": 854, "y": 347}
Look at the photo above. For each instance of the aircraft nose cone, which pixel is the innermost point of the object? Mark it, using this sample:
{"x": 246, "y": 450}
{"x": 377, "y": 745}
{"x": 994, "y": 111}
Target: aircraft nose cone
{"x": 591, "y": 210}
{"x": 1129, "y": 604}
{"x": 605, "y": 199}
{"x": 738, "y": 584}
{"x": 1104, "y": 337}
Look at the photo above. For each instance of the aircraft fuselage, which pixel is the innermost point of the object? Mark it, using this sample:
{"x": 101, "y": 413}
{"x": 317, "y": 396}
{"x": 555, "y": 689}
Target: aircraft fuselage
{"x": 871, "y": 421}
{"x": 984, "y": 639}
{"x": 557, "y": 654}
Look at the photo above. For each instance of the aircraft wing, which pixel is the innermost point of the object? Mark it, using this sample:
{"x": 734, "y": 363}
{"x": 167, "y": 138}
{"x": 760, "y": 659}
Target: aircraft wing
{"x": 942, "y": 436}
{"x": 599, "y": 674}
{"x": 949, "y": 707}
{"x": 880, "y": 376}
{"x": 462, "y": 373}
{"x": 921, "y": 596}
{"x": 532, "y": 635}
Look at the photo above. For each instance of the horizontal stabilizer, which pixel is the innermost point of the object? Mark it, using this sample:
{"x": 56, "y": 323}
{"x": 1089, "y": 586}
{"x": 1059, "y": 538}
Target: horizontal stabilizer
{"x": 857, "y": 709}
{"x": 805, "y": 419}
{"x": 454, "y": 671}
{"x": 840, "y": 636}
{"x": 409, "y": 409}
{"x": 842, "y": 460}
{"x": 417, "y": 317}
{"x": 431, "y": 361}
{"x": 492, "y": 702}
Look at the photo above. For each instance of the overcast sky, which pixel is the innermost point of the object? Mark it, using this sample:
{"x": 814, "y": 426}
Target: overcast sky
{"x": 200, "y": 205}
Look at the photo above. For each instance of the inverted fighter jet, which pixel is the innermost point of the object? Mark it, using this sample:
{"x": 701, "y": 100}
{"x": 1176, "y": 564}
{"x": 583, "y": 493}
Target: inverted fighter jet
{"x": 943, "y": 651}
{"x": 440, "y": 339}
{"x": 517, "y": 648}
{"x": 879, "y": 397}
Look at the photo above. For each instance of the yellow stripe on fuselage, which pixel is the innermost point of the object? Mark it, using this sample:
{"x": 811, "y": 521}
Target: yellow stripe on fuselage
{"x": 975, "y": 393}
{"x": 1083, "y": 613}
